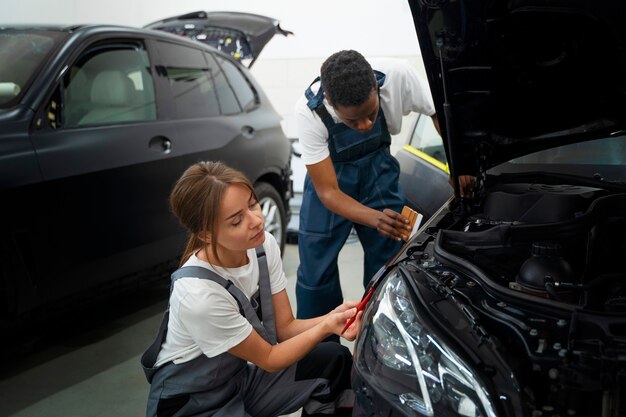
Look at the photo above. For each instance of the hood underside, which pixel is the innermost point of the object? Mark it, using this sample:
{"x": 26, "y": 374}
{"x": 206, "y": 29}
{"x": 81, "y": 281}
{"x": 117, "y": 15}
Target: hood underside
{"x": 221, "y": 29}
{"x": 513, "y": 77}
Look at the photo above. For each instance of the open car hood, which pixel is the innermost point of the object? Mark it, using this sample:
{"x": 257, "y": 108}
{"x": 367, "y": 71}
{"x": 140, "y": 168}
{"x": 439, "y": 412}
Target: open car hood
{"x": 513, "y": 77}
{"x": 242, "y": 35}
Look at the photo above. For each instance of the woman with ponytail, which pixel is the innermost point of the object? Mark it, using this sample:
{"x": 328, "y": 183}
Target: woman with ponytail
{"x": 229, "y": 344}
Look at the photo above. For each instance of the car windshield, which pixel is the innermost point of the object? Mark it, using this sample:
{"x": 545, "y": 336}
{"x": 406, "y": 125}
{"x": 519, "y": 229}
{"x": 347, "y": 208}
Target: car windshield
{"x": 22, "y": 53}
{"x": 603, "y": 159}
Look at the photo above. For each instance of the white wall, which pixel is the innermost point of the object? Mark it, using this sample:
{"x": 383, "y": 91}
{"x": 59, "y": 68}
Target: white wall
{"x": 286, "y": 65}
{"x": 321, "y": 27}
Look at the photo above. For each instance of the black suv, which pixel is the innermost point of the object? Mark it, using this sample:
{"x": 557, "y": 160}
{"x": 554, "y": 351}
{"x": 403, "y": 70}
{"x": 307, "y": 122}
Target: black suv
{"x": 512, "y": 301}
{"x": 96, "y": 124}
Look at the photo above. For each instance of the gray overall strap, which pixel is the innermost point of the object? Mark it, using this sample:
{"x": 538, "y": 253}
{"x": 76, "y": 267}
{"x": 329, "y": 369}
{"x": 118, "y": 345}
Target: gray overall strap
{"x": 267, "y": 331}
{"x": 265, "y": 290}
{"x": 244, "y": 303}
{"x": 149, "y": 356}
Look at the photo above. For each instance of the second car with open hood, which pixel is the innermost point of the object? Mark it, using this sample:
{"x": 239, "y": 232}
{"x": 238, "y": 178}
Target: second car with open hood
{"x": 512, "y": 301}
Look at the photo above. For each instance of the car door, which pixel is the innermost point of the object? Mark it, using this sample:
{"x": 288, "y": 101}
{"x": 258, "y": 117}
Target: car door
{"x": 105, "y": 155}
{"x": 423, "y": 168}
{"x": 211, "y": 122}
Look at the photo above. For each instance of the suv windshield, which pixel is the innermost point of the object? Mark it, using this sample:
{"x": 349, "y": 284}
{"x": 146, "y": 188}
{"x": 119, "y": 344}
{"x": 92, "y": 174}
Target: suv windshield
{"x": 603, "y": 159}
{"x": 22, "y": 53}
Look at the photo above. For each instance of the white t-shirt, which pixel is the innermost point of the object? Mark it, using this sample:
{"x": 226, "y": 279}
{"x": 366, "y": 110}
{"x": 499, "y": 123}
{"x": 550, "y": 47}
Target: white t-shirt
{"x": 403, "y": 91}
{"x": 204, "y": 317}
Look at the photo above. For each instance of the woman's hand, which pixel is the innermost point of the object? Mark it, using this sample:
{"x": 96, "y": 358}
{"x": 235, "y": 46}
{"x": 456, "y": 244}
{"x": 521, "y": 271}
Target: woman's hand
{"x": 353, "y": 331}
{"x": 347, "y": 305}
{"x": 339, "y": 317}
{"x": 334, "y": 322}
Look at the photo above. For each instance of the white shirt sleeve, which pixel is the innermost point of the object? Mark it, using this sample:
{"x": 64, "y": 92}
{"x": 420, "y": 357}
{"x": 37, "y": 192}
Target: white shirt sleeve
{"x": 211, "y": 317}
{"x": 278, "y": 281}
{"x": 403, "y": 92}
{"x": 312, "y": 133}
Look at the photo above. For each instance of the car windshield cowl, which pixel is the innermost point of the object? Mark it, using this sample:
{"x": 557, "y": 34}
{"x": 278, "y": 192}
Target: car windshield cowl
{"x": 23, "y": 53}
{"x": 601, "y": 160}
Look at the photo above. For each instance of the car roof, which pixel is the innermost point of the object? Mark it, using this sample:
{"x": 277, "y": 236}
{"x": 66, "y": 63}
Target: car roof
{"x": 95, "y": 29}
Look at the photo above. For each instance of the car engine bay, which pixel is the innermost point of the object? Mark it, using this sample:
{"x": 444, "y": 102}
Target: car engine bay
{"x": 536, "y": 269}
{"x": 559, "y": 242}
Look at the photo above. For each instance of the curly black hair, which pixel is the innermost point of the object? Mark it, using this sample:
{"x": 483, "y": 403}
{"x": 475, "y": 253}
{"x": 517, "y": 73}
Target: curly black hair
{"x": 347, "y": 78}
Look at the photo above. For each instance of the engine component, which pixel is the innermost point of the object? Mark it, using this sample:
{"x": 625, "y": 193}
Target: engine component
{"x": 545, "y": 268}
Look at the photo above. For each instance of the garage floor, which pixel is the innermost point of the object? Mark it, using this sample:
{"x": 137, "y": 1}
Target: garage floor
{"x": 91, "y": 368}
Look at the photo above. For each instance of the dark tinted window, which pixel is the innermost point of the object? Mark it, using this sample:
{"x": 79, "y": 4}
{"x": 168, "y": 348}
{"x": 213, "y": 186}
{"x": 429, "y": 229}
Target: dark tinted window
{"x": 225, "y": 95}
{"x": 191, "y": 81}
{"x": 243, "y": 90}
{"x": 109, "y": 84}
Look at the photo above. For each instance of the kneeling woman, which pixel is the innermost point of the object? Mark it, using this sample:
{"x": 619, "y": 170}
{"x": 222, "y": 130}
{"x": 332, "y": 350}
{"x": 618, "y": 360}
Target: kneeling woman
{"x": 229, "y": 344}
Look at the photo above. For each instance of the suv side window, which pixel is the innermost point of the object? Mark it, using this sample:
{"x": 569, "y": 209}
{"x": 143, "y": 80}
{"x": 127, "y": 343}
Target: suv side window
{"x": 426, "y": 138}
{"x": 225, "y": 94}
{"x": 243, "y": 89}
{"x": 108, "y": 84}
{"x": 191, "y": 81}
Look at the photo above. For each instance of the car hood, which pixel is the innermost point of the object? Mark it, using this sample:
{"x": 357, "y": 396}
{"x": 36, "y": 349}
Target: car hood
{"x": 257, "y": 30}
{"x": 511, "y": 78}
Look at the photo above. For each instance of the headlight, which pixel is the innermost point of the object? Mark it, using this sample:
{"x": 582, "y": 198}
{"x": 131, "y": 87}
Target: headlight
{"x": 409, "y": 365}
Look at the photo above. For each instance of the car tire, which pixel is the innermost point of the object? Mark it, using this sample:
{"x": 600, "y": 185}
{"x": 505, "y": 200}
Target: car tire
{"x": 273, "y": 211}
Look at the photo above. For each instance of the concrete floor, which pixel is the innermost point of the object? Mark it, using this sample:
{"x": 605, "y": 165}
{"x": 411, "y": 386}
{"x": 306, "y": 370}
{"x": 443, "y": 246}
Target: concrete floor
{"x": 92, "y": 369}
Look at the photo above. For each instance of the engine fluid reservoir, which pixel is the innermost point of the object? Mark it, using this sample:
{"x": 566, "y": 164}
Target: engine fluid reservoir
{"x": 545, "y": 260}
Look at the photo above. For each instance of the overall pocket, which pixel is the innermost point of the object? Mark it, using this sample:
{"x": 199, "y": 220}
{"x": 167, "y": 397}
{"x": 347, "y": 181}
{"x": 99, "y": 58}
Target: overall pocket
{"x": 315, "y": 218}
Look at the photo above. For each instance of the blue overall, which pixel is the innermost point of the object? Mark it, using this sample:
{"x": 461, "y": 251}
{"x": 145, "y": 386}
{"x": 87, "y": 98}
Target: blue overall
{"x": 368, "y": 173}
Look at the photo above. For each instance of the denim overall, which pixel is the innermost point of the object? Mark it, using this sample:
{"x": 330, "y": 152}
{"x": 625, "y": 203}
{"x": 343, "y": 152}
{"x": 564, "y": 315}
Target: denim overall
{"x": 227, "y": 386}
{"x": 365, "y": 171}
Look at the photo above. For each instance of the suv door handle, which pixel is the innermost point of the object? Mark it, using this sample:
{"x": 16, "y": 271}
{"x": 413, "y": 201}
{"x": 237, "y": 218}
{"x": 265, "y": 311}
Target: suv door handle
{"x": 247, "y": 131}
{"x": 160, "y": 144}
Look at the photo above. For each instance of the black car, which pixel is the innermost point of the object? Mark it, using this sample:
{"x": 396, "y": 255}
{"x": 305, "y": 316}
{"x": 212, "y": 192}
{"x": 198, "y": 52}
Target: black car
{"x": 512, "y": 301}
{"x": 242, "y": 36}
{"x": 96, "y": 125}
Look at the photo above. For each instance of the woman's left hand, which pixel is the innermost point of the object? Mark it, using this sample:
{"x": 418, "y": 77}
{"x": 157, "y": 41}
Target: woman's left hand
{"x": 353, "y": 331}
{"x": 347, "y": 305}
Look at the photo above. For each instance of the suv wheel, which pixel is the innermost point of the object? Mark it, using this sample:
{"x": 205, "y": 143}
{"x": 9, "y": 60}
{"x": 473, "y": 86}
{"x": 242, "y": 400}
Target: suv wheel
{"x": 273, "y": 212}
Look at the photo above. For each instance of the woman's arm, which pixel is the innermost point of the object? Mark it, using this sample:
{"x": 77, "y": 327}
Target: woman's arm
{"x": 287, "y": 326}
{"x": 273, "y": 358}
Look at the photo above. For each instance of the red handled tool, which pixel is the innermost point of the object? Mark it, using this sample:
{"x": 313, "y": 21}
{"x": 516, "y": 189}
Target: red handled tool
{"x": 359, "y": 308}
{"x": 378, "y": 276}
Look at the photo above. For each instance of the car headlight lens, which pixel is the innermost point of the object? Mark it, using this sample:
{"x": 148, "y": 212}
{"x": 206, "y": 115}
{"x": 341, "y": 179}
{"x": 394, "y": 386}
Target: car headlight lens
{"x": 409, "y": 365}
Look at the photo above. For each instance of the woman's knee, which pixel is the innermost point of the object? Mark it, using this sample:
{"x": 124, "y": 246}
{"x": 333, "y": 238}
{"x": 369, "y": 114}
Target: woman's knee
{"x": 328, "y": 360}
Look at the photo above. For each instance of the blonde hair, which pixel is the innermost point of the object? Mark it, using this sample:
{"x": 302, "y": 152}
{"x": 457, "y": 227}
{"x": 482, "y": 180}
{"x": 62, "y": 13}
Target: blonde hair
{"x": 196, "y": 200}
